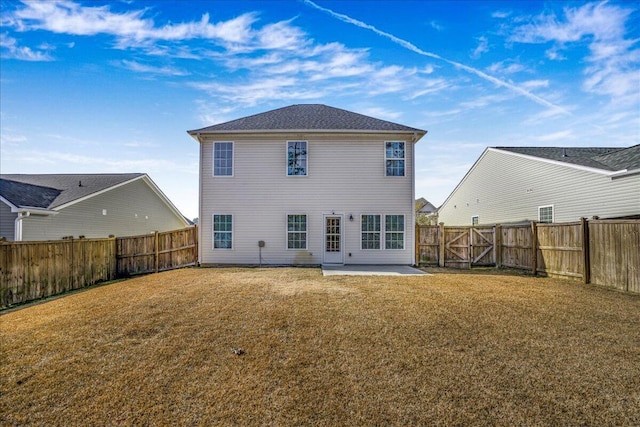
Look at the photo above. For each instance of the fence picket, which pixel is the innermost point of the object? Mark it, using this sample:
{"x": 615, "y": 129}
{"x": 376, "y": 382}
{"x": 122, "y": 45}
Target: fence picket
{"x": 33, "y": 270}
{"x": 602, "y": 252}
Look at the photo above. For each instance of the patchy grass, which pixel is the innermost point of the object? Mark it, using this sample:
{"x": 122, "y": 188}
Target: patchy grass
{"x": 447, "y": 349}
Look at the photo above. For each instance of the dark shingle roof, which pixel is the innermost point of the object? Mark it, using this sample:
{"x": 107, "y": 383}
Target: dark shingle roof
{"x": 606, "y": 158}
{"x": 21, "y": 194}
{"x": 627, "y": 158}
{"x": 427, "y": 208}
{"x": 317, "y": 117}
{"x": 51, "y": 191}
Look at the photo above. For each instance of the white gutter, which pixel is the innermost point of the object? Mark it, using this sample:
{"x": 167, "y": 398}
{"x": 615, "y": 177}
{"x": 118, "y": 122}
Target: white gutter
{"x": 25, "y": 213}
{"x": 625, "y": 172}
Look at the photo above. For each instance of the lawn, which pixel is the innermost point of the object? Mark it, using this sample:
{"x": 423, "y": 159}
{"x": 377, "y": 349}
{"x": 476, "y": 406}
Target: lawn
{"x": 446, "y": 349}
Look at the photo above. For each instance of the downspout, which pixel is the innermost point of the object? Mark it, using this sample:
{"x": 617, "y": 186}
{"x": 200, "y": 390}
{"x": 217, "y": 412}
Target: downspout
{"x": 17, "y": 233}
{"x": 413, "y": 197}
{"x": 200, "y": 175}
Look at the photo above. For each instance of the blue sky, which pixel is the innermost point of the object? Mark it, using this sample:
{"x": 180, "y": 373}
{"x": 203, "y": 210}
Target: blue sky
{"x": 104, "y": 87}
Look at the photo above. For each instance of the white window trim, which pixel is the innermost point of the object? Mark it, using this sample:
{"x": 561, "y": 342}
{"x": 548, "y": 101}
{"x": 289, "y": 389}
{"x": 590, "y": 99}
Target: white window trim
{"x": 404, "y": 159}
{"x": 286, "y": 231}
{"x": 404, "y": 232}
{"x": 213, "y": 232}
{"x": 553, "y": 213}
{"x": 381, "y": 239}
{"x": 286, "y": 155}
{"x": 233, "y": 159}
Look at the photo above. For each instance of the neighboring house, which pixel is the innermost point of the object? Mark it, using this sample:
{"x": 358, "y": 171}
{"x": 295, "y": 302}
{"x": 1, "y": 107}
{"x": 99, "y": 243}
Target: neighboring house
{"x": 427, "y": 213}
{"x": 426, "y": 207}
{"x": 333, "y": 187}
{"x": 546, "y": 184}
{"x": 50, "y": 207}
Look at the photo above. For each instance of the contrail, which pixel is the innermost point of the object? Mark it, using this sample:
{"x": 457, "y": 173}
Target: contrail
{"x": 419, "y": 51}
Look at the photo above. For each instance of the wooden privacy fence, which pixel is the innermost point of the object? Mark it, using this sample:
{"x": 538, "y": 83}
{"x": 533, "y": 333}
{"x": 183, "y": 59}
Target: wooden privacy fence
{"x": 33, "y": 270}
{"x": 156, "y": 252}
{"x": 603, "y": 252}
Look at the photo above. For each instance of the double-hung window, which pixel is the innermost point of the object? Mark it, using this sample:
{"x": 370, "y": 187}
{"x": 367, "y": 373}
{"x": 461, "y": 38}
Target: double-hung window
{"x": 394, "y": 158}
{"x": 545, "y": 214}
{"x": 394, "y": 232}
{"x": 222, "y": 231}
{"x": 296, "y": 232}
{"x": 297, "y": 158}
{"x": 223, "y": 159}
{"x": 370, "y": 231}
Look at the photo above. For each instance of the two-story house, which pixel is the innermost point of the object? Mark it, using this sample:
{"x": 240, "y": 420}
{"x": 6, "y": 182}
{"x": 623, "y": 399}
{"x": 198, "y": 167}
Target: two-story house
{"x": 546, "y": 184}
{"x": 307, "y": 185}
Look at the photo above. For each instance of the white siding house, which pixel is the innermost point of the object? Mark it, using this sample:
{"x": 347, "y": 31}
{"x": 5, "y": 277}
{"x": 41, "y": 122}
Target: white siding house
{"x": 50, "y": 207}
{"x": 546, "y": 184}
{"x": 307, "y": 185}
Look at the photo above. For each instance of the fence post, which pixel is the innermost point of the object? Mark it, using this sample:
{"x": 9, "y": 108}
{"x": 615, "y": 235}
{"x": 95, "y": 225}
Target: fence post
{"x": 197, "y": 246}
{"x": 417, "y": 246}
{"x": 586, "y": 260}
{"x": 157, "y": 244}
{"x": 441, "y": 248}
{"x": 534, "y": 248}
{"x": 497, "y": 245}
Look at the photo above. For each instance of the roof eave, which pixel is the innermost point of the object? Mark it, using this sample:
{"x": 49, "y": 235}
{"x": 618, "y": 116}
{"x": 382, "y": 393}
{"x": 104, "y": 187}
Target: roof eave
{"x": 419, "y": 133}
{"x": 559, "y": 163}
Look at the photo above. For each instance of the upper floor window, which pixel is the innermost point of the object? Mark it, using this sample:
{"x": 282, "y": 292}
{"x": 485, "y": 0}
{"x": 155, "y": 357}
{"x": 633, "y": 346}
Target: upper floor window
{"x": 394, "y": 157}
{"x": 370, "y": 231}
{"x": 222, "y": 231}
{"x": 223, "y": 159}
{"x": 545, "y": 214}
{"x": 394, "y": 232}
{"x": 296, "y": 158}
{"x": 296, "y": 232}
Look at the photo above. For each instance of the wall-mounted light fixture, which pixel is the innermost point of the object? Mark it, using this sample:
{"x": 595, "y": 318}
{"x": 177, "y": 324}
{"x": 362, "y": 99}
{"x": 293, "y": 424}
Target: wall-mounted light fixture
{"x": 350, "y": 217}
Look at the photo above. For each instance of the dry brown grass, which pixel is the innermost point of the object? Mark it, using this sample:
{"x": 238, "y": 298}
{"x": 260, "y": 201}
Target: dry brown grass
{"x": 448, "y": 349}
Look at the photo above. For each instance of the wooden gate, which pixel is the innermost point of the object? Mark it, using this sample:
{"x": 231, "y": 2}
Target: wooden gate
{"x": 457, "y": 242}
{"x": 481, "y": 246}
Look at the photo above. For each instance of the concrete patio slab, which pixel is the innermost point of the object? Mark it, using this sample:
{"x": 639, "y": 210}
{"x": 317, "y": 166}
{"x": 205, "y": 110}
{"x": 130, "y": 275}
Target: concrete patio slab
{"x": 371, "y": 270}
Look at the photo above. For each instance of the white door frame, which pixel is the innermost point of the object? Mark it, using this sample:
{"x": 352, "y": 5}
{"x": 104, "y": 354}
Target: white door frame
{"x": 332, "y": 257}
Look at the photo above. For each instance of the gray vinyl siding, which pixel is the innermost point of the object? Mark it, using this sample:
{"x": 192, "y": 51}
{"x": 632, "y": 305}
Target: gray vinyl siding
{"x": 131, "y": 209}
{"x": 504, "y": 188}
{"x": 344, "y": 176}
{"x": 7, "y": 221}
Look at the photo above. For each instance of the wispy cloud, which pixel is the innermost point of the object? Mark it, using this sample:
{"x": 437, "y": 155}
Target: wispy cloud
{"x": 413, "y": 48}
{"x": 67, "y": 17}
{"x": 8, "y": 138}
{"x": 507, "y": 67}
{"x": 561, "y": 136}
{"x": 613, "y": 60}
{"x": 64, "y": 161}
{"x": 501, "y": 14}
{"x": 483, "y": 47}
{"x": 150, "y": 69}
{"x": 24, "y": 53}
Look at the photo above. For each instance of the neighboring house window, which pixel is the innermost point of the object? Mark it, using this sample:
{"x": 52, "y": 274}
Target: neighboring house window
{"x": 474, "y": 220}
{"x": 370, "y": 227}
{"x": 297, "y": 158}
{"x": 296, "y": 232}
{"x": 222, "y": 231}
{"x": 394, "y": 157}
{"x": 545, "y": 214}
{"x": 223, "y": 159}
{"x": 394, "y": 232}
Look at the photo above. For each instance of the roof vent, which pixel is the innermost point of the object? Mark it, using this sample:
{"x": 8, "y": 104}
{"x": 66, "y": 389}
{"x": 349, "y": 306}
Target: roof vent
{"x": 79, "y": 183}
{"x": 564, "y": 152}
